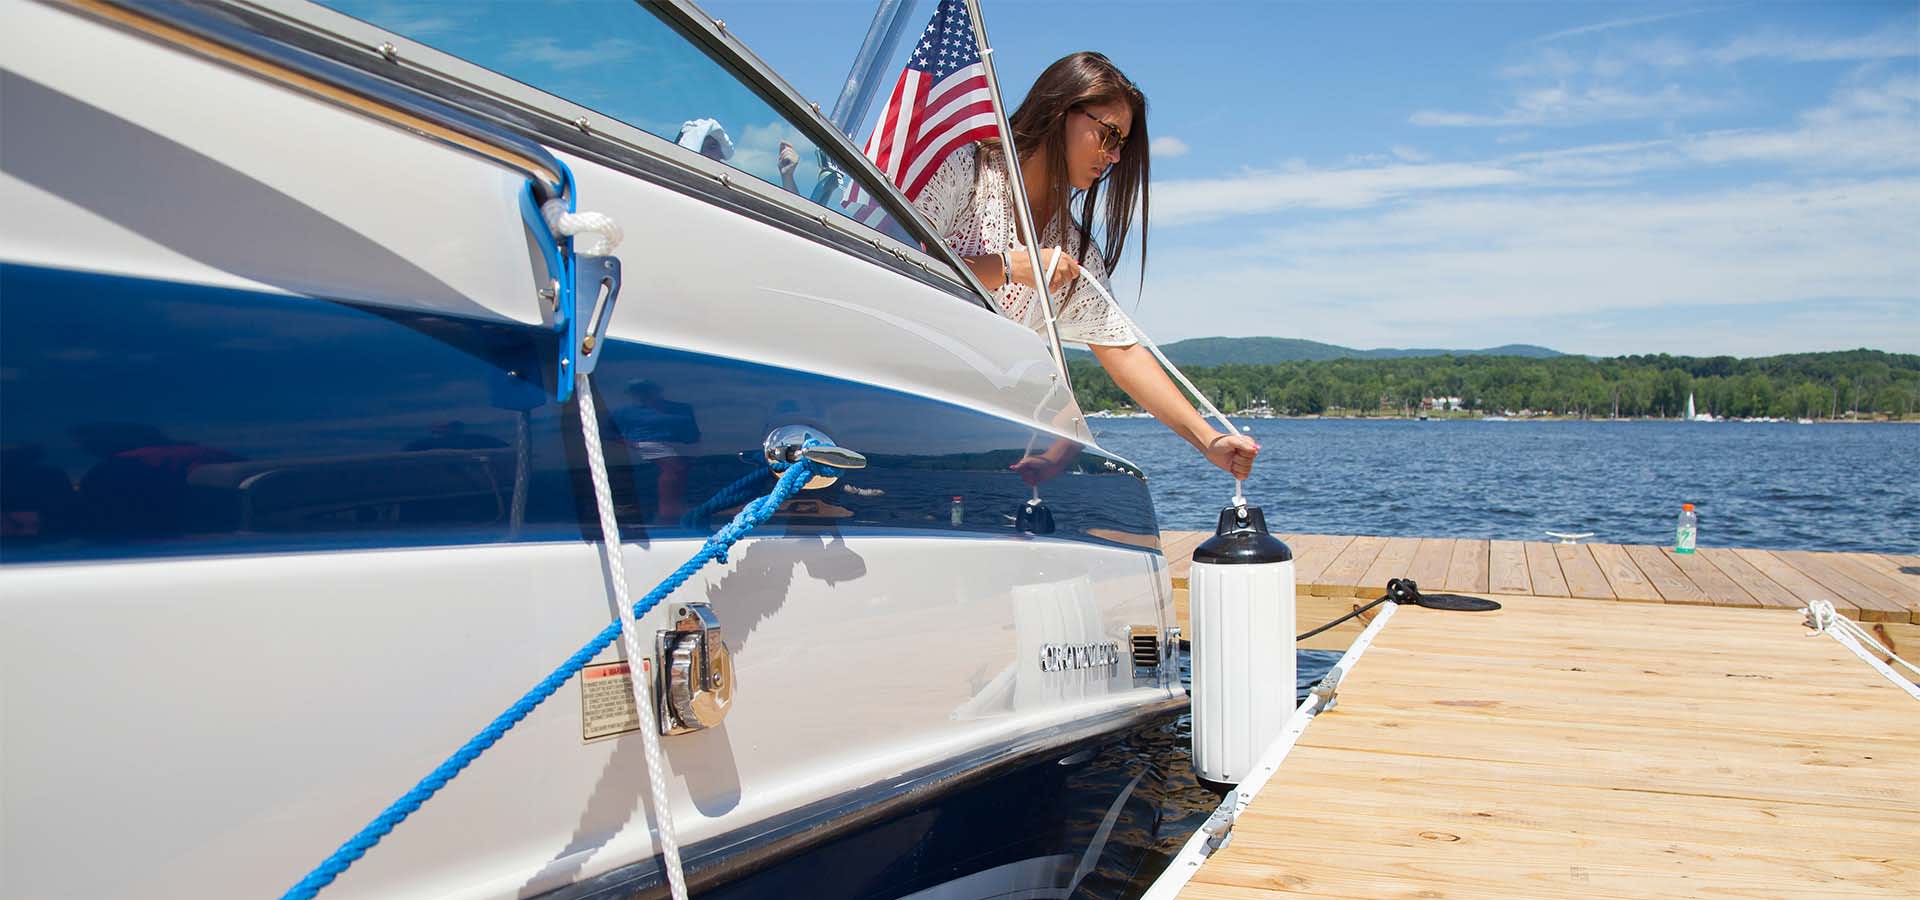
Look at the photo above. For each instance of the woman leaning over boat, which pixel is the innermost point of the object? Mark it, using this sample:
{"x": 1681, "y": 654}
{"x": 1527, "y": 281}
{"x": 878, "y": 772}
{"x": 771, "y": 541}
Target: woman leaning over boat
{"x": 1082, "y": 124}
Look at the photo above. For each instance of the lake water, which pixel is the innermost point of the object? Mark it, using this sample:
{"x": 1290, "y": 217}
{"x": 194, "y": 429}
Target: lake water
{"x": 1779, "y": 486}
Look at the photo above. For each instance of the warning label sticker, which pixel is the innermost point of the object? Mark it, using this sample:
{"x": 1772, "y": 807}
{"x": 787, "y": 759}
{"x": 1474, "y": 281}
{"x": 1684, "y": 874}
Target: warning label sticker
{"x": 606, "y": 700}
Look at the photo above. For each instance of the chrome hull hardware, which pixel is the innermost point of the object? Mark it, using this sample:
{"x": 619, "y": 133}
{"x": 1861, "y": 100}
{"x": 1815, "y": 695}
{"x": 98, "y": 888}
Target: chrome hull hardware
{"x": 790, "y": 444}
{"x": 694, "y": 684}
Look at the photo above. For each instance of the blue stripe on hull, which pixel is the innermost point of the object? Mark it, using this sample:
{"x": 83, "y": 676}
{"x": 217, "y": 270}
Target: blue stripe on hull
{"x": 147, "y": 418}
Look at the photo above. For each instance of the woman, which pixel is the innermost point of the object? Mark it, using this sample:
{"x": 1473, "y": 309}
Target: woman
{"x": 1082, "y": 123}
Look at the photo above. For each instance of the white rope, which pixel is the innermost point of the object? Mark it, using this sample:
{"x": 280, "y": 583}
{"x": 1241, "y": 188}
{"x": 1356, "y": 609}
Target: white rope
{"x": 607, "y": 233}
{"x": 630, "y": 637}
{"x": 1206, "y": 405}
{"x": 1823, "y": 618}
{"x": 1218, "y": 829}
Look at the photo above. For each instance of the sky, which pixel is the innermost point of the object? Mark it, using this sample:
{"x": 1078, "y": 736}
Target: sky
{"x": 1599, "y": 178}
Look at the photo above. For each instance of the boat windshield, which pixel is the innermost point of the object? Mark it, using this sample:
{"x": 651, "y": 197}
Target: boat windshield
{"x": 624, "y": 61}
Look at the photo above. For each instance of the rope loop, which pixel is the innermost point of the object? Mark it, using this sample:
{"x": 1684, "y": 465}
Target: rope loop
{"x": 606, "y": 233}
{"x": 1821, "y": 616}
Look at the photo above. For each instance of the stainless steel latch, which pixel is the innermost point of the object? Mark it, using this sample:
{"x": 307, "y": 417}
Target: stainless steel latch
{"x": 694, "y": 687}
{"x": 792, "y": 443}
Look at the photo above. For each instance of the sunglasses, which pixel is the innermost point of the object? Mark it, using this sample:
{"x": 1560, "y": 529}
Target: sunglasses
{"x": 1110, "y": 139}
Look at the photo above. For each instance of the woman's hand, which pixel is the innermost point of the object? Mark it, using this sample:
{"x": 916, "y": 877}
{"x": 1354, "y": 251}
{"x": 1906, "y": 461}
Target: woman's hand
{"x": 1234, "y": 453}
{"x": 1064, "y": 271}
{"x": 1036, "y": 469}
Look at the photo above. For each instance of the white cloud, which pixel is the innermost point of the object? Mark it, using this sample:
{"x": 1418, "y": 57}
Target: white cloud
{"x": 1564, "y": 106}
{"x": 412, "y": 20}
{"x": 548, "y": 52}
{"x": 1409, "y": 154}
{"x": 1872, "y": 128}
{"x": 1558, "y": 86}
{"x": 1297, "y": 186}
{"x": 1613, "y": 25}
{"x": 1888, "y": 43}
{"x": 1168, "y": 147}
{"x": 1477, "y": 271}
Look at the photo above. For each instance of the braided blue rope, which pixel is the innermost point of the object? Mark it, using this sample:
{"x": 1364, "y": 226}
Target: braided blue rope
{"x": 715, "y": 548}
{"x": 733, "y": 493}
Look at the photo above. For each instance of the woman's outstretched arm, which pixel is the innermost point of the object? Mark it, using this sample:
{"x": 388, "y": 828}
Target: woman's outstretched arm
{"x": 1135, "y": 371}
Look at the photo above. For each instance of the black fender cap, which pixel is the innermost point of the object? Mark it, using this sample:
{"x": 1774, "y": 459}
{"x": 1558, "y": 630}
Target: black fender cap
{"x": 1242, "y": 539}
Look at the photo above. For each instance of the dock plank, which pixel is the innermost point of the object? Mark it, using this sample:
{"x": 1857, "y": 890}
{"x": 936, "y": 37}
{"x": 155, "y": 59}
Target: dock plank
{"x": 1873, "y": 606}
{"x": 1888, "y": 566}
{"x": 1393, "y": 562}
{"x": 1543, "y": 571}
{"x": 1320, "y": 554}
{"x": 1667, "y": 577}
{"x": 1429, "y": 567}
{"x": 1622, "y": 575}
{"x": 1881, "y": 576}
{"x": 1719, "y": 589}
{"x": 1764, "y": 591}
{"x": 1507, "y": 568}
{"x": 1878, "y": 588}
{"x": 1467, "y": 571}
{"x": 1584, "y": 578}
{"x": 1551, "y": 750}
{"x": 1803, "y": 588}
{"x": 1341, "y": 578}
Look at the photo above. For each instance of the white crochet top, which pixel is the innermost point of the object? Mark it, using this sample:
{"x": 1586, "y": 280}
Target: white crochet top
{"x": 981, "y": 223}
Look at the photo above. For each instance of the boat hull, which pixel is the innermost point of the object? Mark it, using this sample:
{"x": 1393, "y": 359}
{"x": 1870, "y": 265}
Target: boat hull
{"x": 291, "y": 510}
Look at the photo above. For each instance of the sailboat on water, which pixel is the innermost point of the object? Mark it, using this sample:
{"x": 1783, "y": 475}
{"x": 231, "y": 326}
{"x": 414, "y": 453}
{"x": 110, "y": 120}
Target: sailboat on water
{"x": 1698, "y": 417}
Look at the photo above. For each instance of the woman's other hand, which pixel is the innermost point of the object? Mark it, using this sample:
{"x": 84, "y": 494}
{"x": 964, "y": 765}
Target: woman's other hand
{"x": 789, "y": 158}
{"x": 1234, "y": 453}
{"x": 1064, "y": 271}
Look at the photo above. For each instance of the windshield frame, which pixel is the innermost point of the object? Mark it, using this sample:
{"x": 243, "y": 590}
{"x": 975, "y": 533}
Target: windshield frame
{"x": 557, "y": 122}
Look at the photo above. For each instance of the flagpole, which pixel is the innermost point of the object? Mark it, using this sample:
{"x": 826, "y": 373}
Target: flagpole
{"x": 1022, "y": 212}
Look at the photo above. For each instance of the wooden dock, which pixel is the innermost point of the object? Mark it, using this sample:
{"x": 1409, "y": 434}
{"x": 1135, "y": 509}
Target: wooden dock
{"x": 1693, "y": 743}
{"x": 1881, "y": 591}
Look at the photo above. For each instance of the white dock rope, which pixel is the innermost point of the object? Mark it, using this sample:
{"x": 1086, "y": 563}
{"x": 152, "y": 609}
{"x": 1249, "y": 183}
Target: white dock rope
{"x": 1823, "y": 618}
{"x": 1206, "y": 405}
{"x": 630, "y": 637}
{"x": 606, "y": 233}
{"x": 1218, "y": 828}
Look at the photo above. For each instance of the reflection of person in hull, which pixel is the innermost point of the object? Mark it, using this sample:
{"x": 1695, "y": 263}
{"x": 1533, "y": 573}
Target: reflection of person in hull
{"x": 35, "y": 498}
{"x": 1081, "y": 126}
{"x": 139, "y": 487}
{"x": 659, "y": 430}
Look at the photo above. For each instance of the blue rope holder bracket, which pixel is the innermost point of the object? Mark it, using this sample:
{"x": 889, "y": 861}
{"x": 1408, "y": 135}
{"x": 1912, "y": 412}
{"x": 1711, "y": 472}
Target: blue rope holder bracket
{"x": 572, "y": 278}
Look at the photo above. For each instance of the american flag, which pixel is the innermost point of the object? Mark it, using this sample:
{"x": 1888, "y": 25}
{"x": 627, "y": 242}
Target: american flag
{"x": 940, "y": 104}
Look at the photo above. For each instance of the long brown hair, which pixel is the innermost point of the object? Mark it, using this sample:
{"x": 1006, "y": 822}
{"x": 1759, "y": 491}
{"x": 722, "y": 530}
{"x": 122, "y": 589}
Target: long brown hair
{"x": 1073, "y": 83}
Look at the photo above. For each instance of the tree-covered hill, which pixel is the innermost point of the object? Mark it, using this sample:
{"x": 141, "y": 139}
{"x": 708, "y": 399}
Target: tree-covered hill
{"x": 1795, "y": 385}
